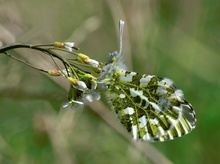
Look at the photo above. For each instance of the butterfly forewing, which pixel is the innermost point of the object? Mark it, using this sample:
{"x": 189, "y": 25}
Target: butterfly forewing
{"x": 151, "y": 108}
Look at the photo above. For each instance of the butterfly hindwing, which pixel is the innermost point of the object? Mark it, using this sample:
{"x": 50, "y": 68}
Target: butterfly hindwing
{"x": 151, "y": 108}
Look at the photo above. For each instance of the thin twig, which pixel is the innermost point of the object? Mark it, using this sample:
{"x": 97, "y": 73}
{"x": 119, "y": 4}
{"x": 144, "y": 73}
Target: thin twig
{"x": 24, "y": 62}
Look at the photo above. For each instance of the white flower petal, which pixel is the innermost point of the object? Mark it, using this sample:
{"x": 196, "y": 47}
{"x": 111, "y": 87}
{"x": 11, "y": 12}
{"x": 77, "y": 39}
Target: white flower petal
{"x": 73, "y": 104}
{"x": 97, "y": 96}
{"x": 77, "y": 105}
{"x": 81, "y": 86}
{"x": 69, "y": 45}
{"x": 88, "y": 97}
{"x": 91, "y": 96}
{"x": 67, "y": 104}
{"x": 69, "y": 48}
{"x": 93, "y": 63}
{"x": 65, "y": 72}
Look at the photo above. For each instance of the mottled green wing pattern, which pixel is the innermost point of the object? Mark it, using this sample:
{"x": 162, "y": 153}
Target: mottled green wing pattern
{"x": 151, "y": 108}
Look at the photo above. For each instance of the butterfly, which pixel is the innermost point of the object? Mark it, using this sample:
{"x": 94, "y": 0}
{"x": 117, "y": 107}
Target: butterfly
{"x": 150, "y": 107}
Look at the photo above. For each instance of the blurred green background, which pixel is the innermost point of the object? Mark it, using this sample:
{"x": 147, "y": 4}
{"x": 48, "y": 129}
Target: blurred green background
{"x": 175, "y": 39}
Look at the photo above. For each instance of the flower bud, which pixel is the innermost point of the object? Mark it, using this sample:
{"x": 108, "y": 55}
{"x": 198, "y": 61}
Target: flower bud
{"x": 80, "y": 85}
{"x": 58, "y": 44}
{"x": 82, "y": 58}
{"x": 54, "y": 72}
{"x": 95, "y": 65}
{"x": 67, "y": 45}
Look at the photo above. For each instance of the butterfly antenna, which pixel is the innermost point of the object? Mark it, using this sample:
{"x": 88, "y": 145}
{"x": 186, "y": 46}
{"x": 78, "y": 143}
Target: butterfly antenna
{"x": 121, "y": 28}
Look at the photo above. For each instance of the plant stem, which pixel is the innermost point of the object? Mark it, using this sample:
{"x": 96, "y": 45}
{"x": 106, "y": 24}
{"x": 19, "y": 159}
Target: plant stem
{"x": 22, "y": 61}
{"x": 46, "y": 51}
